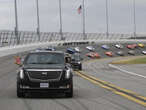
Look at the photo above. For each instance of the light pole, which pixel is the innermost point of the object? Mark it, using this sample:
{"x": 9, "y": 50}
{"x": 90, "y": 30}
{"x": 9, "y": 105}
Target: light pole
{"x": 16, "y": 22}
{"x": 134, "y": 20}
{"x": 60, "y": 15}
{"x": 84, "y": 34}
{"x": 107, "y": 19}
{"x": 38, "y": 20}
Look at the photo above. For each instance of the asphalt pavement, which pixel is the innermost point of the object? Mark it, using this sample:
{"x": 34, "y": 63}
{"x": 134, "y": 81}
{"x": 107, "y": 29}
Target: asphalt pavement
{"x": 87, "y": 95}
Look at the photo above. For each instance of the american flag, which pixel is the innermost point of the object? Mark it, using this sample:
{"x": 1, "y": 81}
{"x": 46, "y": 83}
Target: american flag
{"x": 80, "y": 9}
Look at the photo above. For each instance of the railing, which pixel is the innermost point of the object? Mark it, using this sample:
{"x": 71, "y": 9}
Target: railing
{"x": 8, "y": 38}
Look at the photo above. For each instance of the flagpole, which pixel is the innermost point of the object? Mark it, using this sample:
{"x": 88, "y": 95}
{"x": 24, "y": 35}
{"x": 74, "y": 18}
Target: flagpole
{"x": 16, "y": 21}
{"x": 60, "y": 14}
{"x": 107, "y": 20}
{"x": 84, "y": 25}
{"x": 134, "y": 19}
{"x": 38, "y": 20}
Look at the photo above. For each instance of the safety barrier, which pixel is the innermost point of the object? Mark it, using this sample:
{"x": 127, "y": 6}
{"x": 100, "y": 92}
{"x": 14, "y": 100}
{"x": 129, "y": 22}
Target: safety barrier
{"x": 8, "y": 38}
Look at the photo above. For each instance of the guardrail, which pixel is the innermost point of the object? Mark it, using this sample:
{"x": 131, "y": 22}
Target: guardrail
{"x": 8, "y": 38}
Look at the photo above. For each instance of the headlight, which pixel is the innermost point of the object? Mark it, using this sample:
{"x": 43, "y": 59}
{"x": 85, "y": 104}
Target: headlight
{"x": 79, "y": 62}
{"x": 68, "y": 74}
{"x": 21, "y": 74}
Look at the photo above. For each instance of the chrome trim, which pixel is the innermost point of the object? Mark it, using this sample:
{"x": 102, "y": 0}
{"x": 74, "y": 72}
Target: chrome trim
{"x": 32, "y": 79}
{"x": 46, "y": 88}
{"x": 44, "y": 70}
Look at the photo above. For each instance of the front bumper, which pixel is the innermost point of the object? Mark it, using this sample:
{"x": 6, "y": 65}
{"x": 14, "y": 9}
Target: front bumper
{"x": 46, "y": 90}
{"x": 53, "y": 87}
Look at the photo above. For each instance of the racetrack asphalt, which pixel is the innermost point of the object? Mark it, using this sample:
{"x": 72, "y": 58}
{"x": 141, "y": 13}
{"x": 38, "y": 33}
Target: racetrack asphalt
{"x": 87, "y": 95}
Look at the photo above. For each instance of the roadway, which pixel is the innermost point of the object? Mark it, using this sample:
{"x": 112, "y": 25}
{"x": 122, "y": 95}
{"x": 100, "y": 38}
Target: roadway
{"x": 88, "y": 95}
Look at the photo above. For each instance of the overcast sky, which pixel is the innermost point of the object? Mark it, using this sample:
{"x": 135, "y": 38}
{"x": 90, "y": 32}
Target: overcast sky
{"x": 120, "y": 15}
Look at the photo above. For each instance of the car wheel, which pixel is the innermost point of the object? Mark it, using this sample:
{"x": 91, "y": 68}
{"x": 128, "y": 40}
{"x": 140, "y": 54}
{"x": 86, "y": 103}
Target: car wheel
{"x": 80, "y": 67}
{"x": 70, "y": 93}
{"x": 20, "y": 94}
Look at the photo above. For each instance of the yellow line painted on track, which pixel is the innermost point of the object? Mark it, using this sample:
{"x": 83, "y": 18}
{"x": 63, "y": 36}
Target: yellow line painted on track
{"x": 128, "y": 91}
{"x": 106, "y": 85}
{"x": 95, "y": 82}
{"x": 131, "y": 98}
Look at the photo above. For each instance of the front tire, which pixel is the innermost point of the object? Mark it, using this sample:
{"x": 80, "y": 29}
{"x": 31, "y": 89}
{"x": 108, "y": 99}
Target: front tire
{"x": 70, "y": 93}
{"x": 80, "y": 67}
{"x": 20, "y": 93}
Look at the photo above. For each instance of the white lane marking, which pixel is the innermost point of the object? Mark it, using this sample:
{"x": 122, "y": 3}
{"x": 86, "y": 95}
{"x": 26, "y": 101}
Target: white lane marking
{"x": 125, "y": 71}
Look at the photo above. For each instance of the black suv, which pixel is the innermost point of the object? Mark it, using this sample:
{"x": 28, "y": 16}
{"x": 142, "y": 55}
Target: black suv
{"x": 45, "y": 71}
{"x": 76, "y": 61}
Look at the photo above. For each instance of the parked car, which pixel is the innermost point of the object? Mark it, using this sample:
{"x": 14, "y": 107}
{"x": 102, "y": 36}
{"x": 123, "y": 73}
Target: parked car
{"x": 77, "y": 49}
{"x": 135, "y": 45}
{"x": 131, "y": 52}
{"x": 143, "y": 52}
{"x": 45, "y": 72}
{"x": 141, "y": 45}
{"x": 93, "y": 55}
{"x": 131, "y": 46}
{"x": 106, "y": 47}
{"x": 39, "y": 49}
{"x": 119, "y": 46}
{"x": 50, "y": 48}
{"x": 96, "y": 55}
{"x": 70, "y": 50}
{"x": 120, "y": 53}
{"x": 109, "y": 53}
{"x": 90, "y": 48}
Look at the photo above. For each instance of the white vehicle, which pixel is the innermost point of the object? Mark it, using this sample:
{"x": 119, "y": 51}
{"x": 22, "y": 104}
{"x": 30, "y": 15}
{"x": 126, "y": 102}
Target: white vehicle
{"x": 144, "y": 52}
{"x": 77, "y": 49}
{"x": 131, "y": 52}
{"x": 90, "y": 48}
{"x": 119, "y": 46}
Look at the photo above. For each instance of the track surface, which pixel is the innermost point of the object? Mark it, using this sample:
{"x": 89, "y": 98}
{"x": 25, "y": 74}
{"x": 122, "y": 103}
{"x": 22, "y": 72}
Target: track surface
{"x": 87, "y": 96}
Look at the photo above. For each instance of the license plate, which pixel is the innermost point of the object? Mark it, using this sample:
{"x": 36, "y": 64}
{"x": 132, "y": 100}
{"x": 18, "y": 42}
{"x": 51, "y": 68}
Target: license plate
{"x": 44, "y": 85}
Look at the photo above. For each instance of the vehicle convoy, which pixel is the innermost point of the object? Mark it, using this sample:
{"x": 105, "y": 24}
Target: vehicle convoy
{"x": 45, "y": 72}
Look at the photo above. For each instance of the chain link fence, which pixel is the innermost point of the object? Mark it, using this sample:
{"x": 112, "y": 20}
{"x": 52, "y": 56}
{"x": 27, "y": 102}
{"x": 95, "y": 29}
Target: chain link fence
{"x": 8, "y": 38}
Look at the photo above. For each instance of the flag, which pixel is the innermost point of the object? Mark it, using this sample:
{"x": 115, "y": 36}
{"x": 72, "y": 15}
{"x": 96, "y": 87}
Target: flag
{"x": 79, "y": 9}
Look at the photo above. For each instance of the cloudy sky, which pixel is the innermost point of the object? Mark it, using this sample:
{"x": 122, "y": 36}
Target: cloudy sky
{"x": 120, "y": 15}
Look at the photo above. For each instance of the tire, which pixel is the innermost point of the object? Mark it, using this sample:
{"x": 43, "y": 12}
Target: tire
{"x": 70, "y": 93}
{"x": 80, "y": 67}
{"x": 20, "y": 94}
